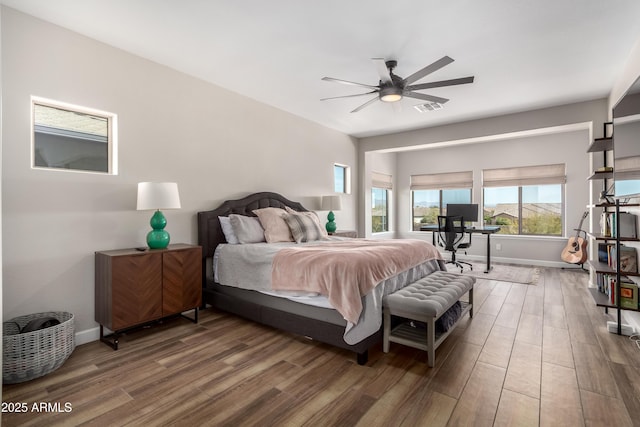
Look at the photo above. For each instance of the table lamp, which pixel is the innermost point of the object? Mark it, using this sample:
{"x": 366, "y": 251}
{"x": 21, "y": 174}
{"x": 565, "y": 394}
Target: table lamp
{"x": 156, "y": 196}
{"x": 331, "y": 203}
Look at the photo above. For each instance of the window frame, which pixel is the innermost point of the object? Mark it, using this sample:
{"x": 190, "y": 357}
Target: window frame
{"x": 386, "y": 206}
{"x": 526, "y": 176}
{"x": 111, "y": 138}
{"x": 441, "y": 206}
{"x": 346, "y": 178}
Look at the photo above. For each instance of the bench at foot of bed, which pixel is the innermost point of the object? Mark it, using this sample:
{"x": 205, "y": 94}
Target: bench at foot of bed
{"x": 425, "y": 301}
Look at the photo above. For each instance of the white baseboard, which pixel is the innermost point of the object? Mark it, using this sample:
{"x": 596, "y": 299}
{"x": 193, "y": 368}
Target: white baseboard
{"x": 87, "y": 336}
{"x": 516, "y": 261}
{"x": 632, "y": 318}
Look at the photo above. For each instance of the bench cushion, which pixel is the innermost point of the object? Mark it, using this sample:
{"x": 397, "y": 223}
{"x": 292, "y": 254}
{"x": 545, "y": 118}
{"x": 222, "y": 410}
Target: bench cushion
{"x": 430, "y": 296}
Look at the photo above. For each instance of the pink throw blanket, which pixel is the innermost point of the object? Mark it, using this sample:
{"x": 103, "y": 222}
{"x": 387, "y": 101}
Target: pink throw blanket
{"x": 344, "y": 271}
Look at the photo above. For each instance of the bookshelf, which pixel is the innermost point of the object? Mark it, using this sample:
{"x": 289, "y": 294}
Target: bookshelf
{"x": 609, "y": 276}
{"x": 604, "y": 270}
{"x": 602, "y": 145}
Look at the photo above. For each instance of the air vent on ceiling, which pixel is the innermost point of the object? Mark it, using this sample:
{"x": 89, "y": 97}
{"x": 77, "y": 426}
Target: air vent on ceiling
{"x": 429, "y": 106}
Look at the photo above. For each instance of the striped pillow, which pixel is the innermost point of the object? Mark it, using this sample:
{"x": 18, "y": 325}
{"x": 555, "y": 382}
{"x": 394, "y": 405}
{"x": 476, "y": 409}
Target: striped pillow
{"x": 304, "y": 228}
{"x": 312, "y": 215}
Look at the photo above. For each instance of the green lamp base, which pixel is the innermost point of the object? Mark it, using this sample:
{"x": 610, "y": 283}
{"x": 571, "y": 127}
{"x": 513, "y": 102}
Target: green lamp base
{"x": 158, "y": 238}
{"x": 331, "y": 225}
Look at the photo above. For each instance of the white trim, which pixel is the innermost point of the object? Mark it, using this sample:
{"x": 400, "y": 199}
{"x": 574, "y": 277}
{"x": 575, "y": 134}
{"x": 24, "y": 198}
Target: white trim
{"x": 112, "y": 134}
{"x": 87, "y": 336}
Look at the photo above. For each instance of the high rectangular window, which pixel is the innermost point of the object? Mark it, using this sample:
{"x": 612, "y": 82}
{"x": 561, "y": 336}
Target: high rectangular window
{"x": 68, "y": 137}
{"x": 341, "y": 179}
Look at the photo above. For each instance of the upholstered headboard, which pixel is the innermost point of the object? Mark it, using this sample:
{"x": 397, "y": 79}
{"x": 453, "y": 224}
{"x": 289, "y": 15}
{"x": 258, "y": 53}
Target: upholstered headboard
{"x": 209, "y": 230}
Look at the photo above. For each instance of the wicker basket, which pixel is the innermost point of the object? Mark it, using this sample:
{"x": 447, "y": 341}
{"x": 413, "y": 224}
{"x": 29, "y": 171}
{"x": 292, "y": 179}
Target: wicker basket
{"x": 34, "y": 354}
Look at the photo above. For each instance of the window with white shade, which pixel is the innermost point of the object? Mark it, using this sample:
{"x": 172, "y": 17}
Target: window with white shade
{"x": 381, "y": 186}
{"x": 430, "y": 194}
{"x": 525, "y": 200}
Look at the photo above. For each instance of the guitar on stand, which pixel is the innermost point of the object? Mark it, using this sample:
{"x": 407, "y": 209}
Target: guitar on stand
{"x": 576, "y": 250}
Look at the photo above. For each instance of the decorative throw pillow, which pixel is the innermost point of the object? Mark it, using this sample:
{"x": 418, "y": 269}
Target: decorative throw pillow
{"x": 227, "y": 230}
{"x": 247, "y": 228}
{"x": 275, "y": 227}
{"x": 312, "y": 215}
{"x": 304, "y": 228}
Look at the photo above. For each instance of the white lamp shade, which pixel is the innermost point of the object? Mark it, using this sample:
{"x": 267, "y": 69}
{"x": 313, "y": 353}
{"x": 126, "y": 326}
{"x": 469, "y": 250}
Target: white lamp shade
{"x": 158, "y": 195}
{"x": 331, "y": 203}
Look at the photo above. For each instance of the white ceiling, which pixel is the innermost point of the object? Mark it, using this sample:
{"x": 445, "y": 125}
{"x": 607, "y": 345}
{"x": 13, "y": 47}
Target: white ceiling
{"x": 523, "y": 54}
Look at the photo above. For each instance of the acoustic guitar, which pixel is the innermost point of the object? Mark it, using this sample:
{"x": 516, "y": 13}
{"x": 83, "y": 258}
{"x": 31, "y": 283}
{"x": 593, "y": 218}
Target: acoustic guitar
{"x": 576, "y": 250}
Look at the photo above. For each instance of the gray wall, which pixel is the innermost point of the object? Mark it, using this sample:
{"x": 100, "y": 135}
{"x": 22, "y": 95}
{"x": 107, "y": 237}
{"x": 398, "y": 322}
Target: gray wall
{"x": 526, "y": 151}
{"x": 551, "y": 135}
{"x": 214, "y": 143}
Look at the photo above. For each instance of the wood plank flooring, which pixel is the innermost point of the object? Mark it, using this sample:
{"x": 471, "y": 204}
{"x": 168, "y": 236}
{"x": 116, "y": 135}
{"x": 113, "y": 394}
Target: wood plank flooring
{"x": 533, "y": 355}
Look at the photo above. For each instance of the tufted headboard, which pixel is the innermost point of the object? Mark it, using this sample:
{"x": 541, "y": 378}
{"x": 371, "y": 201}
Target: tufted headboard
{"x": 209, "y": 230}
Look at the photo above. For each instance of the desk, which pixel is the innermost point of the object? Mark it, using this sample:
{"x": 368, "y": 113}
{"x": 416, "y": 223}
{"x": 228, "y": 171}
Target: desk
{"x": 487, "y": 229}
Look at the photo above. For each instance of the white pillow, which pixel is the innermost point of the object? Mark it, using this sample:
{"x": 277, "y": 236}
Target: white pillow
{"x": 247, "y": 228}
{"x": 227, "y": 230}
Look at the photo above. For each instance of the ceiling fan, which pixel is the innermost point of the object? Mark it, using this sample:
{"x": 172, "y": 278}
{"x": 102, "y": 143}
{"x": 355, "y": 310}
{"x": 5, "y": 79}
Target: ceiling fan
{"x": 392, "y": 88}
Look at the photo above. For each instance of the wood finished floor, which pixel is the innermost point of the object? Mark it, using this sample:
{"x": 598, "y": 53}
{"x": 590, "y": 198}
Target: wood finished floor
{"x": 532, "y": 355}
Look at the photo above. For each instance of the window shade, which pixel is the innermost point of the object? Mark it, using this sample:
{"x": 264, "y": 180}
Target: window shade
{"x": 528, "y": 175}
{"x": 381, "y": 180}
{"x": 440, "y": 181}
{"x": 627, "y": 168}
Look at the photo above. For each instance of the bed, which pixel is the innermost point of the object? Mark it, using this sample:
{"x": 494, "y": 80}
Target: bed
{"x": 318, "y": 322}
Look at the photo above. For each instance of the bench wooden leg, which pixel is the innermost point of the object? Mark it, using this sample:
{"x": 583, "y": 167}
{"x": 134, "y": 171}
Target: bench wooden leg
{"x": 431, "y": 338}
{"x": 471, "y": 302}
{"x": 386, "y": 329}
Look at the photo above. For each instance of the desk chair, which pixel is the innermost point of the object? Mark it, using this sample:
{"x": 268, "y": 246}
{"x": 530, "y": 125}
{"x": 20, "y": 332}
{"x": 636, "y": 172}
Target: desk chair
{"x": 451, "y": 233}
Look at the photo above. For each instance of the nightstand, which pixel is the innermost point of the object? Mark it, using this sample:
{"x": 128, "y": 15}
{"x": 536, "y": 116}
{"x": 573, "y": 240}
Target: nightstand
{"x": 345, "y": 233}
{"x": 135, "y": 287}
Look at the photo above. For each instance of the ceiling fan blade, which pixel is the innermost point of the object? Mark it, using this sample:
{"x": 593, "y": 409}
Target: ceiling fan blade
{"x": 445, "y": 60}
{"x": 383, "y": 71}
{"x": 425, "y": 97}
{"x": 366, "y": 104}
{"x": 349, "y": 96}
{"x": 331, "y": 79}
{"x": 442, "y": 83}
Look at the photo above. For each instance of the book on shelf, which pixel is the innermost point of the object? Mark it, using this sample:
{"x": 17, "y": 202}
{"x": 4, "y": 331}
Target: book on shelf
{"x": 606, "y": 283}
{"x": 628, "y": 224}
{"x": 629, "y": 295}
{"x": 604, "y": 252}
{"x": 604, "y": 169}
{"x": 605, "y": 224}
{"x": 628, "y": 259}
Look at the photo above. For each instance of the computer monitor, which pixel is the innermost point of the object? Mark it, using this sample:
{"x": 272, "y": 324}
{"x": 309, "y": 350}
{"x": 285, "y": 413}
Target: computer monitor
{"x": 468, "y": 211}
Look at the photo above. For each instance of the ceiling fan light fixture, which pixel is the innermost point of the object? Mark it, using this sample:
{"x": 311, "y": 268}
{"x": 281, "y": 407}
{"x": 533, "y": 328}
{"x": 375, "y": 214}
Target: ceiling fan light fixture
{"x": 390, "y": 94}
{"x": 392, "y": 88}
{"x": 394, "y": 97}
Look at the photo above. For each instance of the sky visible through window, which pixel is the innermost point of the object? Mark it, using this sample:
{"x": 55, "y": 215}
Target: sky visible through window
{"x": 493, "y": 195}
{"x": 530, "y": 194}
{"x": 624, "y": 188}
{"x": 338, "y": 178}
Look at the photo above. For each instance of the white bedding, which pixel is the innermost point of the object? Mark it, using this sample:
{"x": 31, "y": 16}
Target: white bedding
{"x": 249, "y": 267}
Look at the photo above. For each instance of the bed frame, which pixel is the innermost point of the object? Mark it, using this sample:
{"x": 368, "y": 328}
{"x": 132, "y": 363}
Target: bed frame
{"x": 210, "y": 235}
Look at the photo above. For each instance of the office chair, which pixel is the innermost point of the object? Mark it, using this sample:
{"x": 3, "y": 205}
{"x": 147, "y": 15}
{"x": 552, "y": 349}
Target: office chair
{"x": 451, "y": 232}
